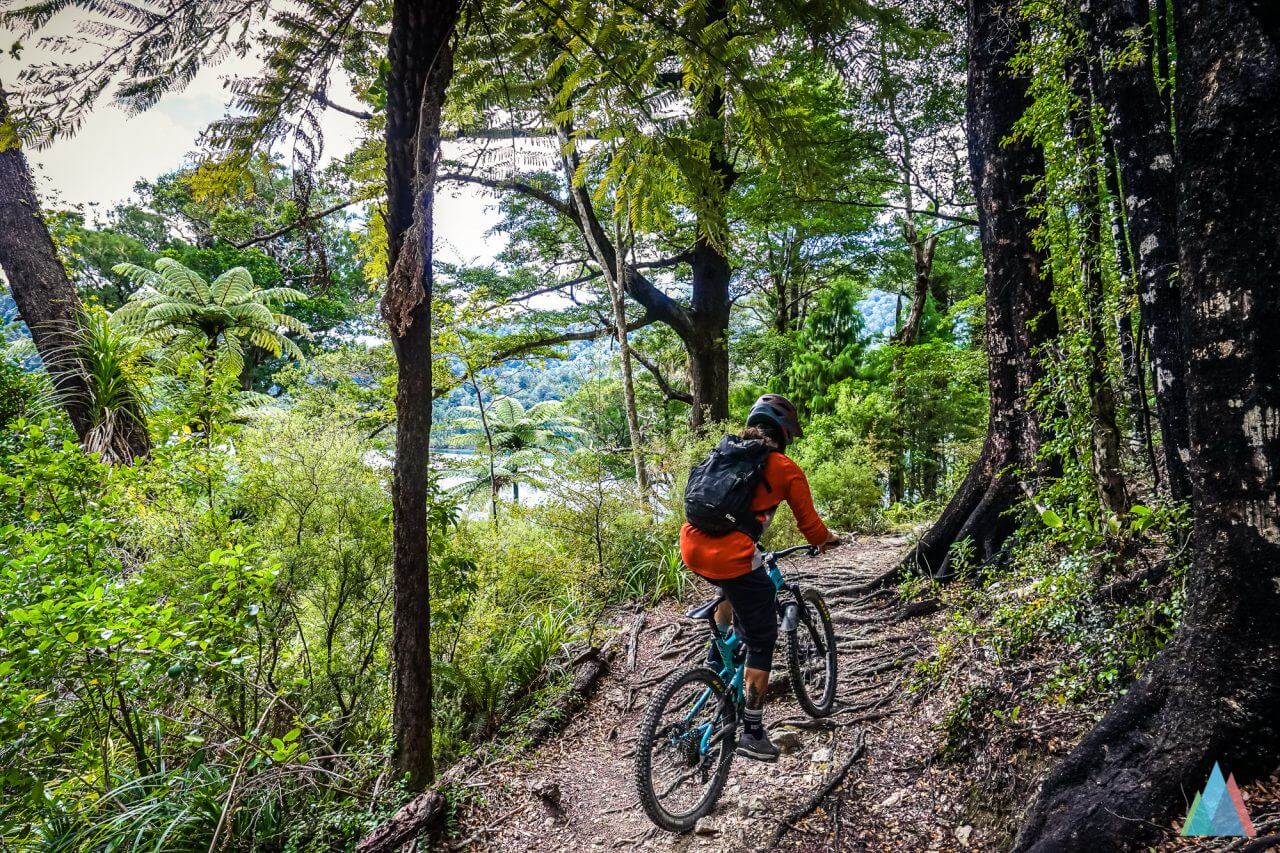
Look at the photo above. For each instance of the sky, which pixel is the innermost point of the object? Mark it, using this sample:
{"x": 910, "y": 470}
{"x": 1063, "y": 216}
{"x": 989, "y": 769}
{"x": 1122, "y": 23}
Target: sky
{"x": 98, "y": 167}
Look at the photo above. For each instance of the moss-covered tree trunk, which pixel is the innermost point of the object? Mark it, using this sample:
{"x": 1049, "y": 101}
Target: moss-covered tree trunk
{"x": 1212, "y": 694}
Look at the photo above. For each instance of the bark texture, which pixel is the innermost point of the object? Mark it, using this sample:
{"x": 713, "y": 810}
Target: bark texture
{"x": 1020, "y": 315}
{"x": 420, "y": 65}
{"x": 49, "y": 305}
{"x": 1137, "y": 122}
{"x": 1212, "y": 694}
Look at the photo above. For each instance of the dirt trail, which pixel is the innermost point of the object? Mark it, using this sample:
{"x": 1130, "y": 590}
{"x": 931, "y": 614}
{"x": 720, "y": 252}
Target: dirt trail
{"x": 576, "y": 792}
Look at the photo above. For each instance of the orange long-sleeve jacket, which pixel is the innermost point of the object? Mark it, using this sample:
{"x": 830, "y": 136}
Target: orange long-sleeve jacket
{"x": 731, "y": 555}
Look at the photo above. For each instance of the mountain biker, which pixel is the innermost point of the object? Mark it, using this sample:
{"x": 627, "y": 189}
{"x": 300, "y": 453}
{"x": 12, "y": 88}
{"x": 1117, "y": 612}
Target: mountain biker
{"x": 733, "y": 562}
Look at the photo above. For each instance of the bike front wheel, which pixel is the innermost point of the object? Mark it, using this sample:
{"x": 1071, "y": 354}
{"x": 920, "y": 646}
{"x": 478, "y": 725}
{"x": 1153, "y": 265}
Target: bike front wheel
{"x": 685, "y": 748}
{"x": 811, "y": 656}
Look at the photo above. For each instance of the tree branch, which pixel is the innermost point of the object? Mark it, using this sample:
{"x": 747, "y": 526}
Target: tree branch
{"x": 298, "y": 223}
{"x": 663, "y": 384}
{"x": 934, "y": 214}
{"x": 521, "y": 187}
{"x": 323, "y": 100}
{"x": 567, "y": 337}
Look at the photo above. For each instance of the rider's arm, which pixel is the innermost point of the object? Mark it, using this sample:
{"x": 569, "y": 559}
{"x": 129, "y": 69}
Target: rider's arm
{"x": 796, "y": 493}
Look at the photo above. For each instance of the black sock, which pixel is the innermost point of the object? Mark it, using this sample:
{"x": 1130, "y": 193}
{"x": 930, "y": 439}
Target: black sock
{"x": 753, "y": 721}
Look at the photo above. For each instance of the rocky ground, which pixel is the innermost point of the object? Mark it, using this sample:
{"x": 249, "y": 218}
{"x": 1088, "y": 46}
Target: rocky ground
{"x": 867, "y": 778}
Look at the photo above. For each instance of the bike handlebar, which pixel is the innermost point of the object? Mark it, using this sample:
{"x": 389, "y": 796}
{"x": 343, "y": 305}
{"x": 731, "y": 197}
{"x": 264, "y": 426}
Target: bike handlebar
{"x": 810, "y": 550}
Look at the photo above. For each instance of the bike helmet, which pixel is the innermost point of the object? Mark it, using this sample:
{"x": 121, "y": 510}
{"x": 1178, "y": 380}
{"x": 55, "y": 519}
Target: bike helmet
{"x": 776, "y": 410}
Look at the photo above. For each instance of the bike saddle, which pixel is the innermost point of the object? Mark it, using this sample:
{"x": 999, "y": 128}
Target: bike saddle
{"x": 703, "y": 611}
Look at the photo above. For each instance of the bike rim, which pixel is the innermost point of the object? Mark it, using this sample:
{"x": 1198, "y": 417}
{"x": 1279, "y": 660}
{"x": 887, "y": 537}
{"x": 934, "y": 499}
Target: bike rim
{"x": 687, "y": 745}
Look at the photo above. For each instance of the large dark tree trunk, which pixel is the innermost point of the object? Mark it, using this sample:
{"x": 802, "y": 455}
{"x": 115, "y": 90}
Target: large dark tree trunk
{"x": 1020, "y": 314}
{"x": 708, "y": 345}
{"x": 420, "y": 61}
{"x": 711, "y": 272}
{"x": 1212, "y": 694}
{"x": 1138, "y": 124}
{"x": 48, "y": 302}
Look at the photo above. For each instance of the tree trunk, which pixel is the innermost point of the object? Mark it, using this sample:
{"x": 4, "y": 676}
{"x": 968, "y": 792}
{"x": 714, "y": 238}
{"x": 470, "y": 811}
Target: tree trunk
{"x": 711, "y": 272}
{"x": 48, "y": 302}
{"x": 703, "y": 328}
{"x": 1113, "y": 494}
{"x": 420, "y": 60}
{"x": 614, "y": 279}
{"x": 488, "y": 439}
{"x": 1211, "y": 694}
{"x": 1138, "y": 124}
{"x": 708, "y": 345}
{"x": 1020, "y": 314}
{"x": 922, "y": 250}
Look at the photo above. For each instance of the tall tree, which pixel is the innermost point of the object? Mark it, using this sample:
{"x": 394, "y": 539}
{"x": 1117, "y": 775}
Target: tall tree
{"x": 688, "y": 98}
{"x": 1211, "y": 694}
{"x": 420, "y": 65}
{"x": 49, "y": 304}
{"x": 1020, "y": 315}
{"x": 1137, "y": 123}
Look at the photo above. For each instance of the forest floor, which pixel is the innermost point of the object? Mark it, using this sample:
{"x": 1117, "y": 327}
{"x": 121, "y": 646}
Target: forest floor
{"x": 867, "y": 778}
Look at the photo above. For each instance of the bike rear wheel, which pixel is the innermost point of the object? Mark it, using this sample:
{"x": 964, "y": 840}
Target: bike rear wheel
{"x": 811, "y": 656}
{"x": 685, "y": 748}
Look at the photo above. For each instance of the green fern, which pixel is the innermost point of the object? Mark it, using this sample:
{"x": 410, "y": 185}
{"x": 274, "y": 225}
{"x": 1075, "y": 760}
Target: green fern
{"x": 176, "y": 307}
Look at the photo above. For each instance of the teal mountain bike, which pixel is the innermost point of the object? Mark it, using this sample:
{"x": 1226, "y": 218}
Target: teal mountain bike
{"x": 690, "y": 728}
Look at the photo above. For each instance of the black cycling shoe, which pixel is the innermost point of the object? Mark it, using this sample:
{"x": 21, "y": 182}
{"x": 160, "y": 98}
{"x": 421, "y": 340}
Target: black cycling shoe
{"x": 757, "y": 746}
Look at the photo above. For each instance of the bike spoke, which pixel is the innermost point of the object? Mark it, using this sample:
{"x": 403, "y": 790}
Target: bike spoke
{"x": 681, "y": 773}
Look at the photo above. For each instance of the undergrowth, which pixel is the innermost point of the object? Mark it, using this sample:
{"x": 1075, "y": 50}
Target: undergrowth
{"x": 1080, "y": 607}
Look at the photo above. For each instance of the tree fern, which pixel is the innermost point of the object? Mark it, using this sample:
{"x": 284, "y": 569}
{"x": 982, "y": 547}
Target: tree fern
{"x": 175, "y": 306}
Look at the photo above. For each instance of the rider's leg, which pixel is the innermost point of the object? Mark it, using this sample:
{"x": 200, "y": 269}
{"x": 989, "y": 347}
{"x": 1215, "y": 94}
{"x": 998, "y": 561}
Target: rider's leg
{"x": 753, "y": 598}
{"x": 757, "y": 681}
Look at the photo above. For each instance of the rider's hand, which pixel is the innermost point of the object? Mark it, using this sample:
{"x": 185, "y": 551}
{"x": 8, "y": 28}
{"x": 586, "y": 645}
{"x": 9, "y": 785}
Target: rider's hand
{"x": 833, "y": 541}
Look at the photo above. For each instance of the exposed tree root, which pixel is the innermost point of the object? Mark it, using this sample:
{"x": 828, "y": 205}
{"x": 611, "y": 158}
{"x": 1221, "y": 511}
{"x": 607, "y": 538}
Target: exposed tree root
{"x": 822, "y": 793}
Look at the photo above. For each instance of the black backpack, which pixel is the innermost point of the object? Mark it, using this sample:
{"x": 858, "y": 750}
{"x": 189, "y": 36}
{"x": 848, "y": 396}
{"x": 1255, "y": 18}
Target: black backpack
{"x": 717, "y": 499}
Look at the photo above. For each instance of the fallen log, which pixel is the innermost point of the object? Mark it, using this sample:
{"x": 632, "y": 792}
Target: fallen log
{"x": 423, "y": 814}
{"x": 925, "y": 607}
{"x": 587, "y": 671}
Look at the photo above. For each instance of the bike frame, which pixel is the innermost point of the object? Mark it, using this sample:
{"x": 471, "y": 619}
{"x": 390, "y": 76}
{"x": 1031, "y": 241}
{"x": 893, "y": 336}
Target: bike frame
{"x": 733, "y": 673}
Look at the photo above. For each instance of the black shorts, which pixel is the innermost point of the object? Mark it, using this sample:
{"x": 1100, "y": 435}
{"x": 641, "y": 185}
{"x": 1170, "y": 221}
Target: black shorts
{"x": 755, "y": 614}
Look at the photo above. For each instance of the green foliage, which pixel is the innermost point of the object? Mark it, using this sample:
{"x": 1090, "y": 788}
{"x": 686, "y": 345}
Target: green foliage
{"x": 844, "y": 476}
{"x": 112, "y": 361}
{"x": 1094, "y": 597}
{"x": 513, "y": 445}
{"x": 176, "y": 306}
{"x": 830, "y": 349}
{"x": 21, "y": 395}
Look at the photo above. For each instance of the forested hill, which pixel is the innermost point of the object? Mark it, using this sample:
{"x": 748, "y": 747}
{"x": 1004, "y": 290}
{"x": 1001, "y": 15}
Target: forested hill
{"x": 343, "y": 462}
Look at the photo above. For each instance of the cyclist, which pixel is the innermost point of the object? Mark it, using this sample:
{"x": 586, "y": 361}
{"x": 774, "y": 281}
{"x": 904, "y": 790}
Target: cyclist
{"x": 733, "y": 562}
